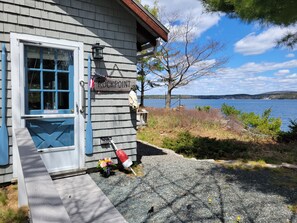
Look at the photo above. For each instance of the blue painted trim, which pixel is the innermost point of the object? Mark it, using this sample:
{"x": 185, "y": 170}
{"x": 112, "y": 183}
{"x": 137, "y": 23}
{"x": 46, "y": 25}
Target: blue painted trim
{"x": 4, "y": 156}
{"x": 89, "y": 130}
{"x": 55, "y": 90}
{"x": 45, "y": 135}
{"x": 71, "y": 82}
{"x": 41, "y": 80}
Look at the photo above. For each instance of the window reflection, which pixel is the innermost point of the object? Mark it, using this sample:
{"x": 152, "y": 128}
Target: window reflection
{"x": 49, "y": 100}
{"x": 63, "y": 81}
{"x": 34, "y": 101}
{"x": 34, "y": 79}
{"x": 33, "y": 57}
{"x": 48, "y": 58}
{"x": 63, "y": 100}
{"x": 48, "y": 80}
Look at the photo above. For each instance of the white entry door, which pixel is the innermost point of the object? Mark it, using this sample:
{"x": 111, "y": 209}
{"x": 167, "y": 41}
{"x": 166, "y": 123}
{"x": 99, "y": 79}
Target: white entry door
{"x": 50, "y": 102}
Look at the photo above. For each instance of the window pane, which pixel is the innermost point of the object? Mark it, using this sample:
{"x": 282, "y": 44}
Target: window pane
{"x": 33, "y": 57}
{"x": 48, "y": 80}
{"x": 63, "y": 100}
{"x": 64, "y": 59}
{"x": 33, "y": 79}
{"x": 34, "y": 101}
{"x": 49, "y": 100}
{"x": 63, "y": 81}
{"x": 48, "y": 58}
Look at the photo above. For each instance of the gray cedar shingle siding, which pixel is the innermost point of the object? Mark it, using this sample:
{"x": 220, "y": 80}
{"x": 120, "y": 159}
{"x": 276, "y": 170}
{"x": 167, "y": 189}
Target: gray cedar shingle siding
{"x": 87, "y": 21}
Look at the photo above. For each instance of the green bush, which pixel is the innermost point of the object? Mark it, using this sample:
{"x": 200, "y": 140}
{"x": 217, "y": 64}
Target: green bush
{"x": 203, "y": 108}
{"x": 291, "y": 135}
{"x": 263, "y": 124}
{"x": 204, "y": 147}
{"x": 230, "y": 110}
{"x": 184, "y": 140}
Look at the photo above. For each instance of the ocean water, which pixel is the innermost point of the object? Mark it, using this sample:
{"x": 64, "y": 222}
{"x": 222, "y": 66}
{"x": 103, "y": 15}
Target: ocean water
{"x": 284, "y": 109}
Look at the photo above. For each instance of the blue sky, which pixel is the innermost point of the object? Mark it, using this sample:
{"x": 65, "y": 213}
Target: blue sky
{"x": 255, "y": 65}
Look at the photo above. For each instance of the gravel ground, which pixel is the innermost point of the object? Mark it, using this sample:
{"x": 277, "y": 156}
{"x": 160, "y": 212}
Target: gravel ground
{"x": 176, "y": 189}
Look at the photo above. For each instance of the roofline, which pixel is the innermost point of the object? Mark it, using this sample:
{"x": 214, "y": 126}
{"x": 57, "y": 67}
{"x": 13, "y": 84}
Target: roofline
{"x": 147, "y": 18}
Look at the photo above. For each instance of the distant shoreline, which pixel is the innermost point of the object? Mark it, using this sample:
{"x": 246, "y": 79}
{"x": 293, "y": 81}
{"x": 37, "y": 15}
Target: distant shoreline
{"x": 263, "y": 96}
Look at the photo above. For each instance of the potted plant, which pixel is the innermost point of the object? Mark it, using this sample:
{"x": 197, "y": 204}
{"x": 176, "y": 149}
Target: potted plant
{"x": 106, "y": 165}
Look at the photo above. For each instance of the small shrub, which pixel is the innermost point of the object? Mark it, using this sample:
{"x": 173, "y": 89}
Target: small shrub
{"x": 263, "y": 124}
{"x": 184, "y": 141}
{"x": 204, "y": 147}
{"x": 291, "y": 135}
{"x": 230, "y": 110}
{"x": 152, "y": 122}
{"x": 12, "y": 216}
{"x": 9, "y": 213}
{"x": 3, "y": 197}
{"x": 203, "y": 108}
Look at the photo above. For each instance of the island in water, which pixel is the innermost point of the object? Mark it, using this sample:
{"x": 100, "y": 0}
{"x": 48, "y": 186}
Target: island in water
{"x": 263, "y": 96}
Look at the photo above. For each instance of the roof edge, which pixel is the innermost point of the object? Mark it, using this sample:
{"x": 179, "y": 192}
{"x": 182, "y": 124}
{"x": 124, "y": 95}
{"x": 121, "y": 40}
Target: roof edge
{"x": 147, "y": 18}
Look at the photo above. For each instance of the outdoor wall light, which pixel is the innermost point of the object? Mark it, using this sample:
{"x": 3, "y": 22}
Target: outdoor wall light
{"x": 97, "y": 51}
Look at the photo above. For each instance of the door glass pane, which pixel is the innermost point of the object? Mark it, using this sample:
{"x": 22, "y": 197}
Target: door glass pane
{"x": 34, "y": 99}
{"x": 49, "y": 100}
{"x": 48, "y": 58}
{"x": 33, "y": 57}
{"x": 63, "y": 81}
{"x": 49, "y": 80}
{"x": 33, "y": 79}
{"x": 63, "y": 100}
{"x": 64, "y": 58}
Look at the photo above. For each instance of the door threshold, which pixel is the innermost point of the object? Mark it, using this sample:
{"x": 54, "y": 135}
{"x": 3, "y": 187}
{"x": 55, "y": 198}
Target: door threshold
{"x": 68, "y": 173}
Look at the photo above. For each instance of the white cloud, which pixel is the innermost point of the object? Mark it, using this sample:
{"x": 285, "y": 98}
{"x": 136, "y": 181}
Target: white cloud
{"x": 251, "y": 78}
{"x": 254, "y": 44}
{"x": 203, "y": 20}
{"x": 290, "y": 55}
{"x": 292, "y": 76}
{"x": 282, "y": 72}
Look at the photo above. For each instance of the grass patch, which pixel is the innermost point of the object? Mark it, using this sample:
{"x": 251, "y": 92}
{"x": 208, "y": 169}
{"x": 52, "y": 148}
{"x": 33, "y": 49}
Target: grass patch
{"x": 9, "y": 211}
{"x": 243, "y": 164}
{"x": 284, "y": 177}
{"x": 208, "y": 135}
{"x": 293, "y": 208}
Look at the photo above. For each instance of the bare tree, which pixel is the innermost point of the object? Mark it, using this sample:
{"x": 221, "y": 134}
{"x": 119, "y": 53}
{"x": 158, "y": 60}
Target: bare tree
{"x": 147, "y": 63}
{"x": 144, "y": 66}
{"x": 183, "y": 58}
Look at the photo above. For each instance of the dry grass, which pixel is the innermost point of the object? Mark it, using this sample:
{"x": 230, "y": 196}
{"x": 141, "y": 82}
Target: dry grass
{"x": 240, "y": 164}
{"x": 168, "y": 123}
{"x": 9, "y": 211}
{"x": 164, "y": 123}
{"x": 293, "y": 208}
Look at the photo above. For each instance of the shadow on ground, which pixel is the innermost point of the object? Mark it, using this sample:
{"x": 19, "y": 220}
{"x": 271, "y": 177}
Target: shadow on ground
{"x": 147, "y": 150}
{"x": 175, "y": 189}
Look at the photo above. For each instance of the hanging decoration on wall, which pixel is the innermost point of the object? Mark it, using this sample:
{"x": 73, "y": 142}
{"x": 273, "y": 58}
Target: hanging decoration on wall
{"x": 113, "y": 84}
{"x": 92, "y": 83}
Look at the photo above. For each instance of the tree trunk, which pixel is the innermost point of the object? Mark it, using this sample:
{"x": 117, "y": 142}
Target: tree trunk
{"x": 142, "y": 92}
{"x": 168, "y": 99}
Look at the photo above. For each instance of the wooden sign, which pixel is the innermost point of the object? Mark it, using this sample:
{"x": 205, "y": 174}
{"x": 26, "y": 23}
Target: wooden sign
{"x": 110, "y": 84}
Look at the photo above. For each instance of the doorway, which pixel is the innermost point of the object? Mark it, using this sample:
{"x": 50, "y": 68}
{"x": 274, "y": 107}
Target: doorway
{"x": 45, "y": 91}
